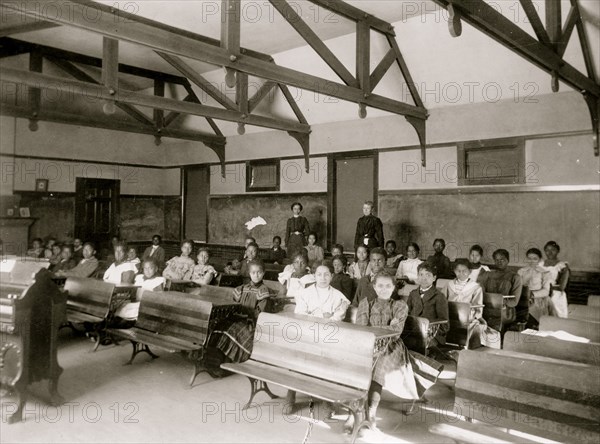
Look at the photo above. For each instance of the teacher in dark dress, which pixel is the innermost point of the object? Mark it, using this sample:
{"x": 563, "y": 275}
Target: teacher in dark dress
{"x": 296, "y": 231}
{"x": 369, "y": 229}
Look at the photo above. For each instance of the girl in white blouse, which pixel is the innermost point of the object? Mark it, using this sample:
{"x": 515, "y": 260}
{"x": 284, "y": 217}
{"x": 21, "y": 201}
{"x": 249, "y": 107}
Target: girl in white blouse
{"x": 407, "y": 270}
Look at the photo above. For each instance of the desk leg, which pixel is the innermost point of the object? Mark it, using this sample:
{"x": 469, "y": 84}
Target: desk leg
{"x": 256, "y": 387}
{"x": 17, "y": 415}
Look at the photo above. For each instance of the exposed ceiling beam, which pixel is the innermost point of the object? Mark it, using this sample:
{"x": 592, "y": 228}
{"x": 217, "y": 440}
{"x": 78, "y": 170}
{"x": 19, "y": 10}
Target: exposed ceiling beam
{"x": 69, "y": 87}
{"x": 536, "y": 22}
{"x": 314, "y": 41}
{"x": 78, "y": 74}
{"x": 155, "y": 35}
{"x": 353, "y": 13}
{"x": 11, "y": 47}
{"x": 110, "y": 124}
{"x": 485, "y": 18}
{"x": 198, "y": 80}
{"x": 262, "y": 92}
{"x": 9, "y": 28}
{"x": 570, "y": 23}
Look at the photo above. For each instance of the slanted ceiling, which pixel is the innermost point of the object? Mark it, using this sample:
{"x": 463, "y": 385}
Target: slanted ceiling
{"x": 437, "y": 61}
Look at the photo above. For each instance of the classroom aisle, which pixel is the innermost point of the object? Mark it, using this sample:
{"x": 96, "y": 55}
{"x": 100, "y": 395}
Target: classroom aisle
{"x": 150, "y": 401}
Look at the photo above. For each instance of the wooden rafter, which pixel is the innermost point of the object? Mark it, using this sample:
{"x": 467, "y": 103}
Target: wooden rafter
{"x": 198, "y": 80}
{"x": 545, "y": 54}
{"x": 110, "y": 124}
{"x": 78, "y": 74}
{"x": 44, "y": 81}
{"x": 10, "y": 28}
{"x": 355, "y": 14}
{"x": 536, "y": 22}
{"x": 262, "y": 92}
{"x": 35, "y": 98}
{"x": 152, "y": 34}
{"x": 314, "y": 41}
{"x": 194, "y": 99}
{"x": 10, "y": 47}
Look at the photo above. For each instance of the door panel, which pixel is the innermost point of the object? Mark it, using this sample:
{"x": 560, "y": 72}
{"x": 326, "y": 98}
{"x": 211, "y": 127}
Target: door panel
{"x": 97, "y": 211}
{"x": 354, "y": 184}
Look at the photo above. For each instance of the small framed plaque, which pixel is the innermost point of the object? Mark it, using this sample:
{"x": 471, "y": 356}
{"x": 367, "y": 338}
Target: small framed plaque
{"x": 41, "y": 185}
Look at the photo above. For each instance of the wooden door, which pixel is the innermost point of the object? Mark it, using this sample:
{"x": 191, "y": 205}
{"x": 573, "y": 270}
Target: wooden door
{"x": 353, "y": 179}
{"x": 97, "y": 211}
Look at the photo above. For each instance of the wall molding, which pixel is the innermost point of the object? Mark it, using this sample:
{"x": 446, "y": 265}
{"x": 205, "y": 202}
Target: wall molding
{"x": 99, "y": 162}
{"x": 310, "y": 193}
{"x": 486, "y": 189}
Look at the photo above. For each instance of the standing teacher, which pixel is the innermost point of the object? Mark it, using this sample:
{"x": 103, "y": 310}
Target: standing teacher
{"x": 369, "y": 229}
{"x": 296, "y": 231}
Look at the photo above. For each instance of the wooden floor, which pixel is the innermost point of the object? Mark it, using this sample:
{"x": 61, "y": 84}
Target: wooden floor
{"x": 150, "y": 401}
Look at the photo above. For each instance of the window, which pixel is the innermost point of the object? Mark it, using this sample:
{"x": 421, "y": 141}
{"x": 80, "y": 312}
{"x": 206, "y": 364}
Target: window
{"x": 492, "y": 162}
{"x": 262, "y": 175}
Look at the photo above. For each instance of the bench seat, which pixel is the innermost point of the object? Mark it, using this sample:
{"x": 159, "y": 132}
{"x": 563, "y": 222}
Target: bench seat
{"x": 321, "y": 389}
{"x": 76, "y": 317}
{"x": 169, "y": 343}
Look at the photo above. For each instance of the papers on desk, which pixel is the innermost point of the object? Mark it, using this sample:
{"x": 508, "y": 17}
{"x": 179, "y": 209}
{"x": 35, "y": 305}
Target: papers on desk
{"x": 559, "y": 334}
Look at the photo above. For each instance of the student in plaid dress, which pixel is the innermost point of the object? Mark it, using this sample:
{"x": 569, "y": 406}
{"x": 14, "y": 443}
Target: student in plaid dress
{"x": 405, "y": 374}
{"x": 236, "y": 339}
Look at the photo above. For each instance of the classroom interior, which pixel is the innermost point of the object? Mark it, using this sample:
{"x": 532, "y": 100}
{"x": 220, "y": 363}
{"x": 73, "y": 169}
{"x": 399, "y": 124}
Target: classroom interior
{"x": 504, "y": 155}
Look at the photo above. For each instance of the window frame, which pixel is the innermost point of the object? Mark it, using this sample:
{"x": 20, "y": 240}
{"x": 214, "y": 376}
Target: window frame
{"x": 250, "y": 165}
{"x": 516, "y": 143}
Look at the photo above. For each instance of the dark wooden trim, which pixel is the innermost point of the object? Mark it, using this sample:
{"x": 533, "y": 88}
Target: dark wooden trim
{"x": 149, "y": 196}
{"x": 376, "y": 181}
{"x": 183, "y": 191}
{"x": 485, "y": 189}
{"x": 29, "y": 193}
{"x": 225, "y": 196}
{"x": 516, "y": 143}
{"x": 331, "y": 200}
{"x": 99, "y": 162}
{"x": 266, "y": 162}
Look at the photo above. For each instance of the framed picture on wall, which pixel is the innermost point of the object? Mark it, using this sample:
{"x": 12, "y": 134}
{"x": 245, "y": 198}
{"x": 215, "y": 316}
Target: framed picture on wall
{"x": 10, "y": 212}
{"x": 24, "y": 212}
{"x": 262, "y": 175}
{"x": 41, "y": 185}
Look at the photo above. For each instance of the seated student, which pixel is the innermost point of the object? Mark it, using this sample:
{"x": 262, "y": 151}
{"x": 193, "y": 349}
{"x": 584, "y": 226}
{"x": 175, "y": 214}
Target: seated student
{"x": 337, "y": 250}
{"x": 360, "y": 267}
{"x": 180, "y": 267}
{"x": 538, "y": 280}
{"x": 296, "y": 276}
{"x": 477, "y": 269}
{"x": 340, "y": 280}
{"x": 250, "y": 255}
{"x": 315, "y": 252}
{"x": 428, "y": 302}
{"x": 277, "y": 254}
{"x": 77, "y": 249}
{"x": 37, "y": 248}
{"x": 506, "y": 282}
{"x": 86, "y": 266}
{"x": 156, "y": 252}
{"x": 203, "y": 273}
{"x": 559, "y": 279}
{"x": 120, "y": 271}
{"x": 365, "y": 284}
{"x": 48, "y": 252}
{"x": 108, "y": 253}
{"x": 322, "y": 301}
{"x": 393, "y": 369}
{"x": 133, "y": 257}
{"x": 247, "y": 241}
{"x": 408, "y": 268}
{"x": 55, "y": 257}
{"x": 150, "y": 280}
{"x": 237, "y": 335}
{"x": 393, "y": 257}
{"x": 439, "y": 260}
{"x": 66, "y": 262}
{"x": 464, "y": 289}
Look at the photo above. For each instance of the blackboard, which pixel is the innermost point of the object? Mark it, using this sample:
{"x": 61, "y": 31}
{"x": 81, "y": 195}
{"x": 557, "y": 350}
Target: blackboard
{"x": 515, "y": 221}
{"x": 229, "y": 214}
